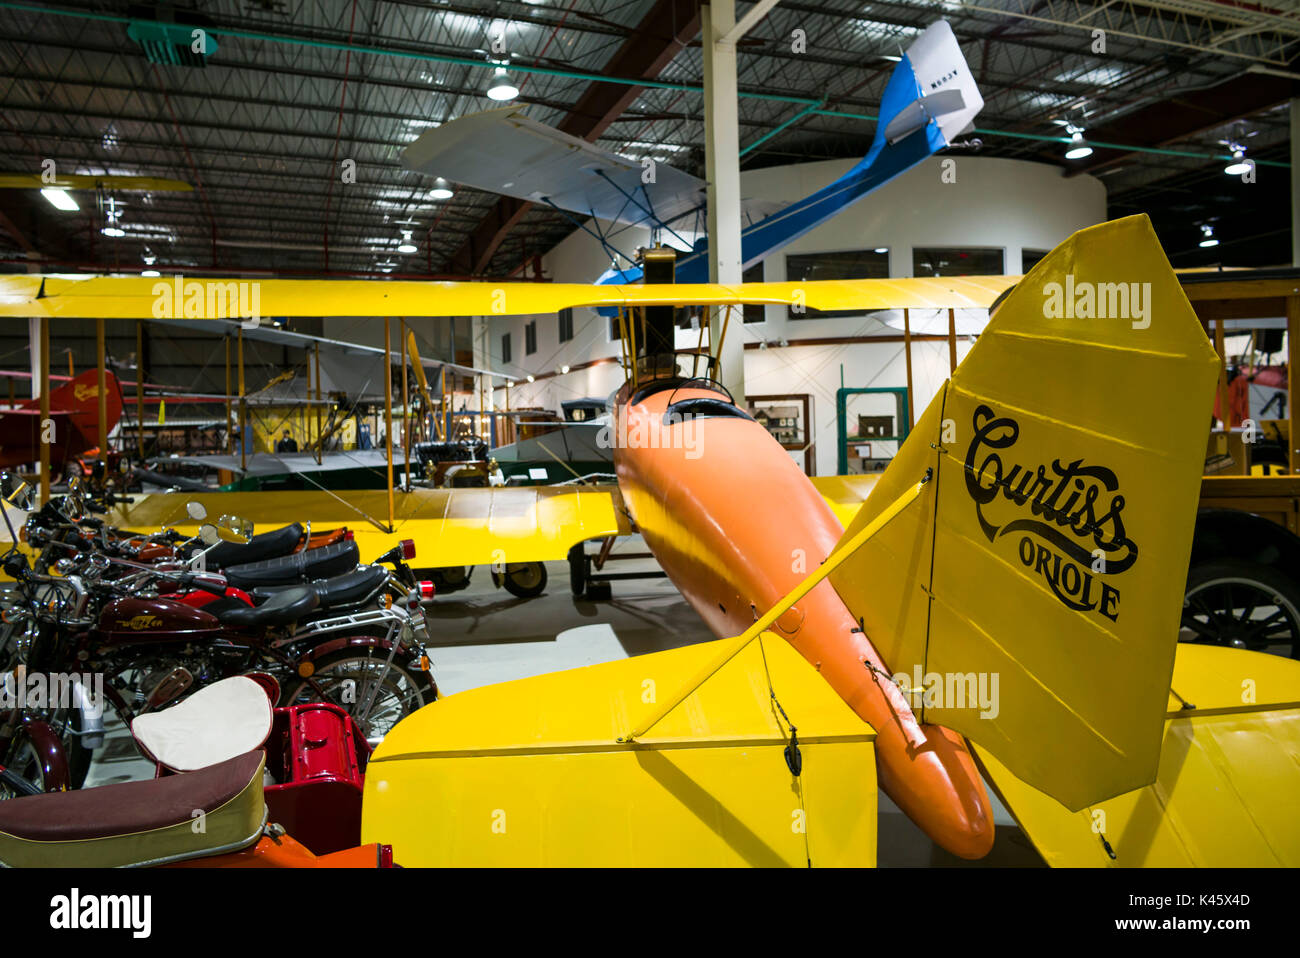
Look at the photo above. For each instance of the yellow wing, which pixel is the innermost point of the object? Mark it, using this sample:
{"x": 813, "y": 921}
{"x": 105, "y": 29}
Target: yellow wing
{"x": 90, "y": 181}
{"x": 506, "y": 775}
{"x": 450, "y": 527}
{"x": 181, "y": 298}
{"x": 1224, "y": 796}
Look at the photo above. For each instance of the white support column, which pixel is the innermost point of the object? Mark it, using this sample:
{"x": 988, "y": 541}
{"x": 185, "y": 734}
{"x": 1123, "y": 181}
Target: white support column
{"x": 1295, "y": 181}
{"x": 34, "y": 353}
{"x": 722, "y": 163}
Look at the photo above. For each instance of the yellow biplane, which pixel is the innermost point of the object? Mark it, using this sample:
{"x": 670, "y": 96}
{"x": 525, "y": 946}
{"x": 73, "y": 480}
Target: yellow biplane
{"x": 1030, "y": 533}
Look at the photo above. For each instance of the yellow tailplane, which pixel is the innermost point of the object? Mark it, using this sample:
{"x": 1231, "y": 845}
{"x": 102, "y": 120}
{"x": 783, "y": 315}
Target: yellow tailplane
{"x": 1034, "y": 590}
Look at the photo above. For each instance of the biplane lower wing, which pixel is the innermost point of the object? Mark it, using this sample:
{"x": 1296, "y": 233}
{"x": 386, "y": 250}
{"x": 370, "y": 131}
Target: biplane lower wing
{"x": 450, "y": 527}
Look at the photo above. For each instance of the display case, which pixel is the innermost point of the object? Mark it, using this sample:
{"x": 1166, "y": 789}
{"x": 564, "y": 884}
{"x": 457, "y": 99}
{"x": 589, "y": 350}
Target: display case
{"x": 788, "y": 418}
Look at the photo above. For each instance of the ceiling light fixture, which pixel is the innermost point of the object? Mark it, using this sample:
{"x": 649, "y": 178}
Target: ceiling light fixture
{"x": 150, "y": 272}
{"x": 60, "y": 199}
{"x": 1239, "y": 164}
{"x": 441, "y": 190}
{"x": 1207, "y": 236}
{"x": 113, "y": 231}
{"x": 530, "y": 379}
{"x": 502, "y": 89}
{"x": 406, "y": 245}
{"x": 564, "y": 369}
{"x": 1079, "y": 147}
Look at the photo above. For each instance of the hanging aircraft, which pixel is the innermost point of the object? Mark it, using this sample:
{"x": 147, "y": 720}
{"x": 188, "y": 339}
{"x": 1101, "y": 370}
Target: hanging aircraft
{"x": 929, "y": 100}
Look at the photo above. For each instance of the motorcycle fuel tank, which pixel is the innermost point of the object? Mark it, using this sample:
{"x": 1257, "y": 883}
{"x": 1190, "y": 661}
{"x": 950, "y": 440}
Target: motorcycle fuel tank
{"x": 129, "y": 621}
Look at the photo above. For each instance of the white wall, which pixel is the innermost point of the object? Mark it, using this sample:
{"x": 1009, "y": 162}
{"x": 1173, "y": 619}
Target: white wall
{"x": 1009, "y": 204}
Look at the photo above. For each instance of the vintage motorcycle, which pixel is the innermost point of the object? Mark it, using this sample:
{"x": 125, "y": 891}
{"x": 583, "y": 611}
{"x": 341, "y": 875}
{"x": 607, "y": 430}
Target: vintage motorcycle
{"x": 276, "y": 787}
{"x": 356, "y": 639}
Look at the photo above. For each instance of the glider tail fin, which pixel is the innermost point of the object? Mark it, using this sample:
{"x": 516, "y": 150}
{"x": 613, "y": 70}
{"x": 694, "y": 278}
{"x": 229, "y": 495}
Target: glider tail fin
{"x": 930, "y": 98}
{"x": 1034, "y": 590}
{"x": 79, "y": 397}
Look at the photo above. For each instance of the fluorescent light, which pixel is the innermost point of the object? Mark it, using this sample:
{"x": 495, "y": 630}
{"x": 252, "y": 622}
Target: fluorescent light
{"x": 113, "y": 231}
{"x": 60, "y": 199}
{"x": 502, "y": 89}
{"x": 441, "y": 190}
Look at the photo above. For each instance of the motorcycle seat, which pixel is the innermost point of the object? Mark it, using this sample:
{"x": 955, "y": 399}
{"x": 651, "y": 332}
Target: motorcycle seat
{"x": 149, "y": 822}
{"x": 263, "y": 546}
{"x": 350, "y": 588}
{"x": 213, "y": 725}
{"x": 283, "y": 608}
{"x": 300, "y": 567}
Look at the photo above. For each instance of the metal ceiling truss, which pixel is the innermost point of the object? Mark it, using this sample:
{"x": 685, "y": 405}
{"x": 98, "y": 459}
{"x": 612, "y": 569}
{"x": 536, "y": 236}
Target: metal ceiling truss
{"x": 260, "y": 128}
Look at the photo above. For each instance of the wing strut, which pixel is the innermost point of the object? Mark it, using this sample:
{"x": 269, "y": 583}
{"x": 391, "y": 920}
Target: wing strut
{"x": 732, "y": 648}
{"x": 647, "y": 208}
{"x": 600, "y": 237}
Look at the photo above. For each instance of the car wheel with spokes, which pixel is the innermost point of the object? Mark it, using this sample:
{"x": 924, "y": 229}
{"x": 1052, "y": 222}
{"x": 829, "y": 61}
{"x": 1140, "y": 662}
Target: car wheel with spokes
{"x": 1242, "y": 604}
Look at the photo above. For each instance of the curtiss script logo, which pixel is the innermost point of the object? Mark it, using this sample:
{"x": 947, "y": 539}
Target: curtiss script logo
{"x": 1065, "y": 503}
{"x": 139, "y": 622}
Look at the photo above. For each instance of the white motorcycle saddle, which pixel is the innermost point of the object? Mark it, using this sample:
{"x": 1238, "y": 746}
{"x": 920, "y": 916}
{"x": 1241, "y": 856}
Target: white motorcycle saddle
{"x": 214, "y": 724}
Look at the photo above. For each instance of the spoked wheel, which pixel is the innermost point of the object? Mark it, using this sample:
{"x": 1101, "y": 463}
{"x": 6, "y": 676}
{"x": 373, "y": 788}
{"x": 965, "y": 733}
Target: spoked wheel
{"x": 24, "y": 762}
{"x": 1242, "y": 604}
{"x": 377, "y": 698}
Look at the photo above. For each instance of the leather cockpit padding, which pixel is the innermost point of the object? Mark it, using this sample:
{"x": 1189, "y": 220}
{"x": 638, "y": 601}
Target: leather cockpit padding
{"x": 135, "y": 823}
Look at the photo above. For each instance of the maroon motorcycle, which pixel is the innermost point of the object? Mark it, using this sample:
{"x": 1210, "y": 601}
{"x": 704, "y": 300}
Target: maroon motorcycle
{"x": 121, "y": 631}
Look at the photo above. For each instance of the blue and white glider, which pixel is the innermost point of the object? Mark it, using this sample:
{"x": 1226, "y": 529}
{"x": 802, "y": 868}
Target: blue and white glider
{"x": 930, "y": 99}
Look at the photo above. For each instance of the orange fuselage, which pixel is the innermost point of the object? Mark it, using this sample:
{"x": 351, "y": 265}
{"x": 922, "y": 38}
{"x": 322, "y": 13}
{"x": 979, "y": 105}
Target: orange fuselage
{"x": 736, "y": 525}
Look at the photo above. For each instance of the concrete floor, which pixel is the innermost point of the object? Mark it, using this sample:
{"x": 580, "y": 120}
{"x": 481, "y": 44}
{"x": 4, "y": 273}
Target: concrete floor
{"x": 483, "y": 635}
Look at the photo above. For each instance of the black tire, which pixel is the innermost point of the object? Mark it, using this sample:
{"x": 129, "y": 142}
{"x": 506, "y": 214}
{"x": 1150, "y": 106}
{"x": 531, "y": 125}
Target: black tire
{"x": 405, "y": 688}
{"x": 1242, "y": 604}
{"x": 21, "y": 761}
{"x": 524, "y": 579}
{"x": 578, "y": 570}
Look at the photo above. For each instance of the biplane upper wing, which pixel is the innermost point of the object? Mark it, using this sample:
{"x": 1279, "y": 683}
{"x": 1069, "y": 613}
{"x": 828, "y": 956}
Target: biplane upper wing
{"x": 134, "y": 297}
